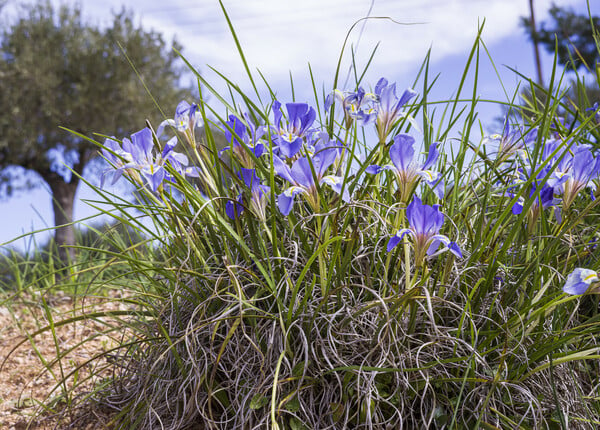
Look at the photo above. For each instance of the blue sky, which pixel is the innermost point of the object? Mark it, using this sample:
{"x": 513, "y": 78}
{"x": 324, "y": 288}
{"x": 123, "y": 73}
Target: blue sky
{"x": 280, "y": 37}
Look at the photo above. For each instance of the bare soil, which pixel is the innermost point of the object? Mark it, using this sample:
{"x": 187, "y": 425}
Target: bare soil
{"x": 29, "y": 373}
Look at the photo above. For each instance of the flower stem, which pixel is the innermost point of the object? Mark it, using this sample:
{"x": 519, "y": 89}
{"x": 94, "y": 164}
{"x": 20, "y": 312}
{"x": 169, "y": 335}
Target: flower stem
{"x": 406, "y": 265}
{"x": 323, "y": 236}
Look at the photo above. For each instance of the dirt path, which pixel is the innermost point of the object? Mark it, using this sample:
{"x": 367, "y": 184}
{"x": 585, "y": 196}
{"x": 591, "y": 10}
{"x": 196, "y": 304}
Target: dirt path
{"x": 24, "y": 380}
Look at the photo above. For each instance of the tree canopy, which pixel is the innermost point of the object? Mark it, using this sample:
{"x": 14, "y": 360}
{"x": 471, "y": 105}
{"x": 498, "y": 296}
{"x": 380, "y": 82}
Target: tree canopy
{"x": 57, "y": 71}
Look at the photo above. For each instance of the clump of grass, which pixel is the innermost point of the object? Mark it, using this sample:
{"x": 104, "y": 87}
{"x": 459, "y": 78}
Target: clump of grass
{"x": 357, "y": 359}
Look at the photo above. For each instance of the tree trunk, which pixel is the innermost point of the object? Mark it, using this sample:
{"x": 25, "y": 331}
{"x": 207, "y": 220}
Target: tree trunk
{"x": 63, "y": 200}
{"x": 536, "y": 45}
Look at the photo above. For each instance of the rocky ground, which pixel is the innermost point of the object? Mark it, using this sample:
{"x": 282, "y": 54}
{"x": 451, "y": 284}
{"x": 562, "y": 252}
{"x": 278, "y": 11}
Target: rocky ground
{"x": 29, "y": 373}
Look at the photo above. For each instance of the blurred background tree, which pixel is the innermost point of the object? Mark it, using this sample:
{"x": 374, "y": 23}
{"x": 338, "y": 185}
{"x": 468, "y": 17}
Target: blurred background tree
{"x": 57, "y": 70}
{"x": 572, "y": 35}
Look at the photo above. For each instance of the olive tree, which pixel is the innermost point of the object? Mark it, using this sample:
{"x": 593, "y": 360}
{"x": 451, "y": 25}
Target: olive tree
{"x": 59, "y": 72}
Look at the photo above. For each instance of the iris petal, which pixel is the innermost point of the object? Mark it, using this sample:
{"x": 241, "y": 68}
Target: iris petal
{"x": 579, "y": 281}
{"x": 373, "y": 169}
{"x": 335, "y": 182}
{"x": 431, "y": 157}
{"x": 302, "y": 173}
{"x": 285, "y": 200}
{"x": 282, "y": 169}
{"x": 395, "y": 239}
{"x": 435, "y": 243}
{"x": 402, "y": 152}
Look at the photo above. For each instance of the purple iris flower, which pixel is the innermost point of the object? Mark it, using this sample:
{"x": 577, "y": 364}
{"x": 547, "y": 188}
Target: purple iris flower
{"x": 258, "y": 196}
{"x": 574, "y": 172}
{"x": 118, "y": 158}
{"x": 548, "y": 155}
{"x": 234, "y": 208}
{"x": 245, "y": 137}
{"x": 177, "y": 160}
{"x": 358, "y": 106}
{"x": 407, "y": 172}
{"x": 595, "y": 108}
{"x": 425, "y": 223}
{"x": 541, "y": 190}
{"x": 186, "y": 118}
{"x": 389, "y": 107}
{"x": 137, "y": 157}
{"x": 514, "y": 140}
{"x": 303, "y": 182}
{"x": 144, "y": 159}
{"x": 545, "y": 200}
{"x": 580, "y": 280}
{"x": 289, "y": 135}
{"x": 323, "y": 141}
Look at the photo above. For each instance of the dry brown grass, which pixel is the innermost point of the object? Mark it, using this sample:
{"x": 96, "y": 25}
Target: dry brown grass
{"x": 25, "y": 382}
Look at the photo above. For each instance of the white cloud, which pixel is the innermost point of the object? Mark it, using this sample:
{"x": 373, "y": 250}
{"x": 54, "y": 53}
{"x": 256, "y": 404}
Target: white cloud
{"x": 279, "y": 36}
{"x": 283, "y": 35}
